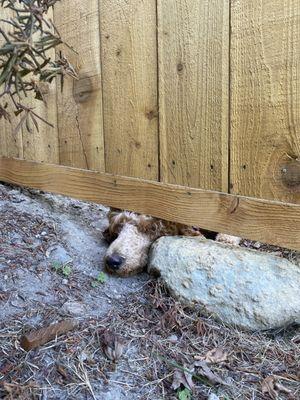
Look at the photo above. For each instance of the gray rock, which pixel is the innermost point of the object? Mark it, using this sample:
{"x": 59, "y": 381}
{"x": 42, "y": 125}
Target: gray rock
{"x": 241, "y": 287}
{"x": 59, "y": 254}
{"x": 74, "y": 308}
{"x": 173, "y": 339}
{"x": 213, "y": 397}
{"x": 115, "y": 393}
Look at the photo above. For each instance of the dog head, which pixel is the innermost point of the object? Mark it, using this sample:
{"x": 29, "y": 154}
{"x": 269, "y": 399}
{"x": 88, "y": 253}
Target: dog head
{"x": 131, "y": 236}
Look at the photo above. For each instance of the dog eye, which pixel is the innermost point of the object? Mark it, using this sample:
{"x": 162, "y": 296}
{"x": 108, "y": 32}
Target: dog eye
{"x": 108, "y": 236}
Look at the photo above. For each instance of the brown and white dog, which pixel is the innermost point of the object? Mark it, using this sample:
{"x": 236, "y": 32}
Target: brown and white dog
{"x": 131, "y": 236}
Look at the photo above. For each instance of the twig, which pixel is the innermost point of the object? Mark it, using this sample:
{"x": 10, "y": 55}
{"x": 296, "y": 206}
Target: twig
{"x": 23, "y": 56}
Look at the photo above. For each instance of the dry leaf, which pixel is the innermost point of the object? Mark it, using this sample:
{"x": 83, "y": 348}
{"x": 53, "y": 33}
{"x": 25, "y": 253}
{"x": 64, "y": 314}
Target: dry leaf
{"x": 268, "y": 387}
{"x": 113, "y": 345}
{"x": 62, "y": 371}
{"x": 44, "y": 335}
{"x": 6, "y": 367}
{"x": 214, "y": 356}
{"x": 205, "y": 371}
{"x": 170, "y": 319}
{"x": 201, "y": 328}
{"x": 4, "y": 296}
{"x": 183, "y": 377}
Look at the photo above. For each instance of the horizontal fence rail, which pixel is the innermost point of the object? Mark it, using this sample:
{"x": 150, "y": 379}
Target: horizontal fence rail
{"x": 274, "y": 222}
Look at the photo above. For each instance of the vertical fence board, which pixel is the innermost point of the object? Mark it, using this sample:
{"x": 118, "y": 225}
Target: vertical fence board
{"x": 265, "y": 132}
{"x": 129, "y": 62}
{"x": 193, "y": 86}
{"x": 42, "y": 144}
{"x": 80, "y": 119}
{"x": 11, "y": 144}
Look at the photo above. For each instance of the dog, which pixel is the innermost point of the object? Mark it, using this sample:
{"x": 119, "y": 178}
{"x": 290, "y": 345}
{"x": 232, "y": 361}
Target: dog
{"x": 131, "y": 235}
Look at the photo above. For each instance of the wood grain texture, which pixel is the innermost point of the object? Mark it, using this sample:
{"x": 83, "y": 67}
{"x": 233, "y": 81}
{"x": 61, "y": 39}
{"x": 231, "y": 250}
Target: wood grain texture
{"x": 193, "y": 42}
{"x": 129, "y": 62}
{"x": 42, "y": 144}
{"x": 265, "y": 118}
{"x": 11, "y": 143}
{"x": 266, "y": 221}
{"x": 80, "y": 117}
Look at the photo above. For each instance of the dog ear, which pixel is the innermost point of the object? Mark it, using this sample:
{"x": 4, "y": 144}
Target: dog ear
{"x": 108, "y": 235}
{"x": 150, "y": 226}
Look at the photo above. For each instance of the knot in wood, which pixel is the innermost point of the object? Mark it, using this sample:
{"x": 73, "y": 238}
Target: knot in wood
{"x": 290, "y": 174}
{"x": 82, "y": 89}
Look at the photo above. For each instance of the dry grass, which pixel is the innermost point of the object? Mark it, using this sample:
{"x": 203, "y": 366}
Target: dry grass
{"x": 137, "y": 346}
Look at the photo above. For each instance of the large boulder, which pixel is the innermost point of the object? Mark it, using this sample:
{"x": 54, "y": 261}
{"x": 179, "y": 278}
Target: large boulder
{"x": 240, "y": 287}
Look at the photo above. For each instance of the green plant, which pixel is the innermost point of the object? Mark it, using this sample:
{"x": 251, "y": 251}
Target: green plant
{"x": 25, "y": 63}
{"x": 184, "y": 394}
{"x": 100, "y": 279}
{"x": 62, "y": 269}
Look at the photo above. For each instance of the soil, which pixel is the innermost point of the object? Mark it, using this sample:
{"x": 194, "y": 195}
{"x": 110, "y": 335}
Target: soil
{"x": 132, "y": 340}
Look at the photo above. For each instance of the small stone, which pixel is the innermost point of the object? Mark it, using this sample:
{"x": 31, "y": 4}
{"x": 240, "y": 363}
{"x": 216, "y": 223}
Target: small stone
{"x": 212, "y": 396}
{"x": 65, "y": 281}
{"x": 74, "y": 308}
{"x": 58, "y": 254}
{"x": 173, "y": 339}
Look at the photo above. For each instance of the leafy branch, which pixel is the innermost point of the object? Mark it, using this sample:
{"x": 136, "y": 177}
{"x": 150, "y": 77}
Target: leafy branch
{"x": 25, "y": 64}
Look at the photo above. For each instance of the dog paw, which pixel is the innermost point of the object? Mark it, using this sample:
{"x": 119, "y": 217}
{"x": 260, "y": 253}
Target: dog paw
{"x": 228, "y": 239}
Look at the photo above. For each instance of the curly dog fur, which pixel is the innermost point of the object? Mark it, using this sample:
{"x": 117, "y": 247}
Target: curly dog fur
{"x": 131, "y": 236}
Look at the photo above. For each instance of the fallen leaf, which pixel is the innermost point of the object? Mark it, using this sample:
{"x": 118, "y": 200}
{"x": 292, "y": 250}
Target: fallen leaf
{"x": 41, "y": 336}
{"x": 183, "y": 376}
{"x": 268, "y": 387}
{"x": 6, "y": 367}
{"x": 205, "y": 371}
{"x": 112, "y": 345}
{"x": 214, "y": 356}
{"x": 3, "y": 296}
{"x": 170, "y": 319}
{"x": 201, "y": 328}
{"x": 62, "y": 371}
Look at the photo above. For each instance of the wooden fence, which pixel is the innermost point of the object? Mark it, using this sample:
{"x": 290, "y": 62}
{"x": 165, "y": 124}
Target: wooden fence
{"x": 198, "y": 93}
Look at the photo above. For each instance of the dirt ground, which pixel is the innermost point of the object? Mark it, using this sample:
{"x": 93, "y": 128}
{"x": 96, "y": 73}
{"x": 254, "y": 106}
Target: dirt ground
{"x": 132, "y": 340}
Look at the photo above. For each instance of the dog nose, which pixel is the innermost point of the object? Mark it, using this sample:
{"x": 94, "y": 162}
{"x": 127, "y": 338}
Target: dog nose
{"x": 114, "y": 261}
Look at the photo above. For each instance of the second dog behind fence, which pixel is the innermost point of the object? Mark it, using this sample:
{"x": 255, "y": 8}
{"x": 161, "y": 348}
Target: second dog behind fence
{"x": 131, "y": 235}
